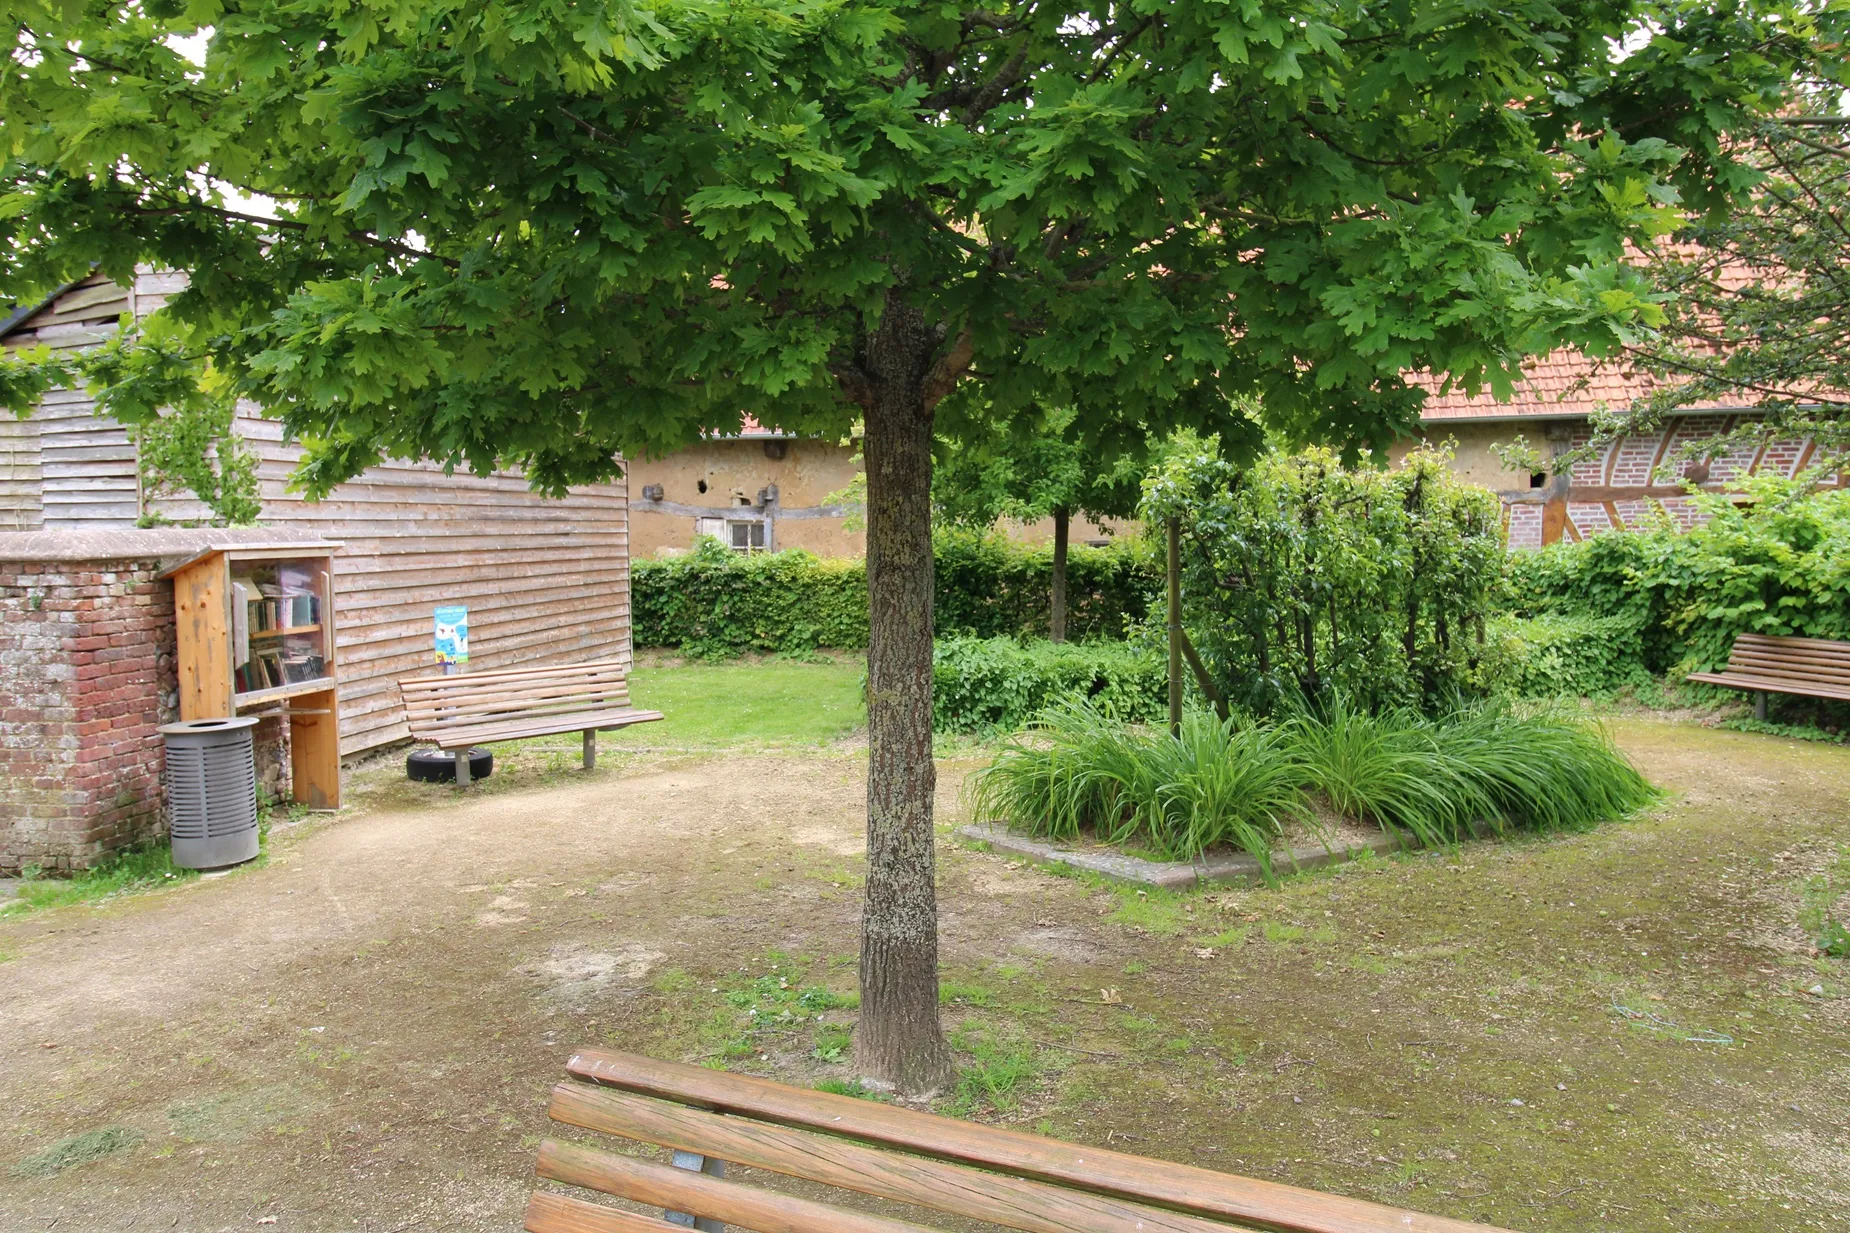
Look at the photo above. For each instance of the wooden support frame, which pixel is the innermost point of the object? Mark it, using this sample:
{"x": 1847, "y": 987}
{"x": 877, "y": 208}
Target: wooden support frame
{"x": 203, "y": 635}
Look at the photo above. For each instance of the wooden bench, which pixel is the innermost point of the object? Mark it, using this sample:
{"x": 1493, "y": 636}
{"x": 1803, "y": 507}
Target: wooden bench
{"x": 1003, "y": 1178}
{"x": 455, "y": 712}
{"x": 1813, "y": 667}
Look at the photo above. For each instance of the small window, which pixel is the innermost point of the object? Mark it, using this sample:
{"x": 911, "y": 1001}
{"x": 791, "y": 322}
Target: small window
{"x": 747, "y": 536}
{"x": 1537, "y": 478}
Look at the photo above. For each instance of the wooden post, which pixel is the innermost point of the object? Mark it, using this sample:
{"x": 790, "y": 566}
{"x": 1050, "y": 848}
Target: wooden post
{"x": 590, "y": 749}
{"x": 1175, "y": 628}
{"x": 1760, "y": 705}
{"x": 694, "y": 1162}
{"x": 1056, "y": 617}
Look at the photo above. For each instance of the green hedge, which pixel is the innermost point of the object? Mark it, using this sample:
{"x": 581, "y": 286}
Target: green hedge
{"x": 1566, "y": 654}
{"x": 1776, "y": 561}
{"x": 715, "y": 602}
{"x": 990, "y": 684}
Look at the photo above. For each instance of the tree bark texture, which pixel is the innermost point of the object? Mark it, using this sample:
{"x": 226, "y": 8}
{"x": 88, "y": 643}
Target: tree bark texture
{"x": 1062, "y": 522}
{"x": 899, "y": 1039}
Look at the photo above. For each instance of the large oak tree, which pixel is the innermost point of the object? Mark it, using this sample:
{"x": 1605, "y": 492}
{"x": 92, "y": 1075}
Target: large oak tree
{"x": 538, "y": 233}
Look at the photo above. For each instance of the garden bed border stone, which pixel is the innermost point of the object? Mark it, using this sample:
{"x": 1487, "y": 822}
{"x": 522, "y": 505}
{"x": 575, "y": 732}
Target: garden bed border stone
{"x": 1217, "y": 870}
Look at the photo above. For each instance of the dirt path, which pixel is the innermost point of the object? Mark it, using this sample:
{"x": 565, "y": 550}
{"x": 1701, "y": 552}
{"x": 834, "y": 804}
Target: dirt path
{"x": 360, "y": 1036}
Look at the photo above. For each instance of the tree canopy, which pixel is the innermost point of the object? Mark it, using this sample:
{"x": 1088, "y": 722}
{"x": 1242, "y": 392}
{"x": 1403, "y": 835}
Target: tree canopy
{"x": 537, "y": 233}
{"x": 1756, "y": 297}
{"x": 1028, "y": 474}
{"x": 534, "y": 233}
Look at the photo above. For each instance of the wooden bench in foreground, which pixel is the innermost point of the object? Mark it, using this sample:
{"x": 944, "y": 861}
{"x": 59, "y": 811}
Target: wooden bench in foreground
{"x": 1813, "y": 667}
{"x": 1006, "y": 1178}
{"x": 455, "y": 712}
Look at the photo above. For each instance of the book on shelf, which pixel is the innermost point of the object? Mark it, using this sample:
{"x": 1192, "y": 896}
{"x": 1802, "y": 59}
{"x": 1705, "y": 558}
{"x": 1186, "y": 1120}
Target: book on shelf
{"x": 282, "y": 612}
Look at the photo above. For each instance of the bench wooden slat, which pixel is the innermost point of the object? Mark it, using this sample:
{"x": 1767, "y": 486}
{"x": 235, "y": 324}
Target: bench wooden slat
{"x": 1779, "y": 672}
{"x": 1012, "y": 1202}
{"x": 1829, "y": 645}
{"x": 682, "y": 1190}
{"x": 1786, "y": 667}
{"x": 1744, "y": 666}
{"x": 1769, "y": 685}
{"x": 595, "y": 721}
{"x": 1764, "y": 664}
{"x": 1761, "y": 648}
{"x": 511, "y": 674}
{"x": 1100, "y": 1170}
{"x": 555, "y": 701}
{"x": 558, "y": 1213}
{"x": 537, "y": 686}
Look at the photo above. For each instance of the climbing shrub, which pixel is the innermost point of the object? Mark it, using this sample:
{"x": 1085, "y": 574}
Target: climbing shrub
{"x": 1305, "y": 580}
{"x": 716, "y": 602}
{"x": 1771, "y": 558}
{"x": 998, "y": 684}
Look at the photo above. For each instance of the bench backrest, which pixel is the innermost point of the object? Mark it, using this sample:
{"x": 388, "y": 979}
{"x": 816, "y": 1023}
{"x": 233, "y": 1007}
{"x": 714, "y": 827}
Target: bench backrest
{"x": 1799, "y": 660}
{"x": 1003, "y": 1177}
{"x": 437, "y": 704}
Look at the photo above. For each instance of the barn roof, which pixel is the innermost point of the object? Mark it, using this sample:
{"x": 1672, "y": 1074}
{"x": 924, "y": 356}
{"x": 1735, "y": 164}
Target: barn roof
{"x": 1560, "y": 385}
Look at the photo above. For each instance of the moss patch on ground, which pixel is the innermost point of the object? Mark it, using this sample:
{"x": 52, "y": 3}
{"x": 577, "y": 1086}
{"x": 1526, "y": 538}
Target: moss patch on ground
{"x": 1625, "y": 1029}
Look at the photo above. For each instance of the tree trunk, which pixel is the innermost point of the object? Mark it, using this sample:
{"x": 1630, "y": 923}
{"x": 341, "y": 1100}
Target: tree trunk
{"x": 1062, "y": 519}
{"x": 899, "y": 1040}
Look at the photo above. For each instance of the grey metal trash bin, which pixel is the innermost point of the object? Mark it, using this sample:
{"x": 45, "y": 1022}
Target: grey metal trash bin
{"x": 211, "y": 781}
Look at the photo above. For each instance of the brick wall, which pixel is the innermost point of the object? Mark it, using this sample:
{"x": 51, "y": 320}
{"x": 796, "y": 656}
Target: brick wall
{"x": 86, "y": 679}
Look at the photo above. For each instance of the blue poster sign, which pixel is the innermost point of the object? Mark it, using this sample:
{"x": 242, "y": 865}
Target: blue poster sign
{"x": 452, "y": 622}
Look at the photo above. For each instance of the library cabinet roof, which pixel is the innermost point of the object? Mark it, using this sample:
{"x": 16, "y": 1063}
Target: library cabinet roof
{"x": 176, "y": 547}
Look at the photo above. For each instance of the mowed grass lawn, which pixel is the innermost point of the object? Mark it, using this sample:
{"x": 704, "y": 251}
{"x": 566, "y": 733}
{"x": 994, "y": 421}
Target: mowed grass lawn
{"x": 761, "y": 704}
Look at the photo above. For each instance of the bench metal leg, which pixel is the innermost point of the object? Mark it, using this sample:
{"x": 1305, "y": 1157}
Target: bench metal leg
{"x": 1760, "y": 705}
{"x": 590, "y": 735}
{"x": 462, "y": 768}
{"x": 694, "y": 1162}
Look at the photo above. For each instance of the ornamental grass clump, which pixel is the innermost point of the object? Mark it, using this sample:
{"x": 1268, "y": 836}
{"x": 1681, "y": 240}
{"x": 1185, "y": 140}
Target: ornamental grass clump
{"x": 1239, "y": 781}
{"x": 1434, "y": 778}
{"x": 1076, "y": 770}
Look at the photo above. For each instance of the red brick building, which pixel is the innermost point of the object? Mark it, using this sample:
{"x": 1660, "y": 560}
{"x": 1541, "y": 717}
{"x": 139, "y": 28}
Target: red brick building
{"x": 86, "y": 679}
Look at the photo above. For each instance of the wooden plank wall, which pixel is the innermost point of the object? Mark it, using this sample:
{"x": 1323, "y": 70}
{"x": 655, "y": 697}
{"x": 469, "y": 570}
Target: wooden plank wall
{"x": 65, "y": 469}
{"x": 545, "y": 581}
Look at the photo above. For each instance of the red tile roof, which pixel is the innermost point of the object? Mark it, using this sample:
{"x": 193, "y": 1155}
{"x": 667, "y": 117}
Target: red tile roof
{"x": 1560, "y": 385}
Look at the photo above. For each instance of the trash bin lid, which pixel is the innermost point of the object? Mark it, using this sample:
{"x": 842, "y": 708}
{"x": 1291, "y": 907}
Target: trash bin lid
{"x": 195, "y": 727}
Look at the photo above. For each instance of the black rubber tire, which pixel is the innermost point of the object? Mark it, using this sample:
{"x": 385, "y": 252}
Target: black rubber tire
{"x": 436, "y": 766}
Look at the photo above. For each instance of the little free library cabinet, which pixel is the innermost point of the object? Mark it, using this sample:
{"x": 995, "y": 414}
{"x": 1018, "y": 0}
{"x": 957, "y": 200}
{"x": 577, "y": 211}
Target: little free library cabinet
{"x": 255, "y": 636}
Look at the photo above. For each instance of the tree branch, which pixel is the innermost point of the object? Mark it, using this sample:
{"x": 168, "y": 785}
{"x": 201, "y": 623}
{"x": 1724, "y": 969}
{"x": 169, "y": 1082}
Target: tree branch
{"x": 944, "y": 374}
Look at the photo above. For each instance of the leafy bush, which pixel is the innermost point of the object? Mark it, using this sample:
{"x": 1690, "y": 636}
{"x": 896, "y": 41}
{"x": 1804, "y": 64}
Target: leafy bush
{"x": 1238, "y": 781}
{"x": 990, "y": 586}
{"x": 986, "y": 684}
{"x": 716, "y": 602}
{"x": 1559, "y": 654}
{"x": 1772, "y": 558}
{"x": 1305, "y": 579}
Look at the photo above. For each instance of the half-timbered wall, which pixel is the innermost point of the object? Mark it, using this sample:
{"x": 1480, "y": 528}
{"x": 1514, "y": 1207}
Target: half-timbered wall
{"x": 1632, "y": 484}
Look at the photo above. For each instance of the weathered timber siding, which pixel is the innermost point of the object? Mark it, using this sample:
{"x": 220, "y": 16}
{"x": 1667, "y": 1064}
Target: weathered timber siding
{"x": 65, "y": 468}
{"x": 546, "y": 582}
